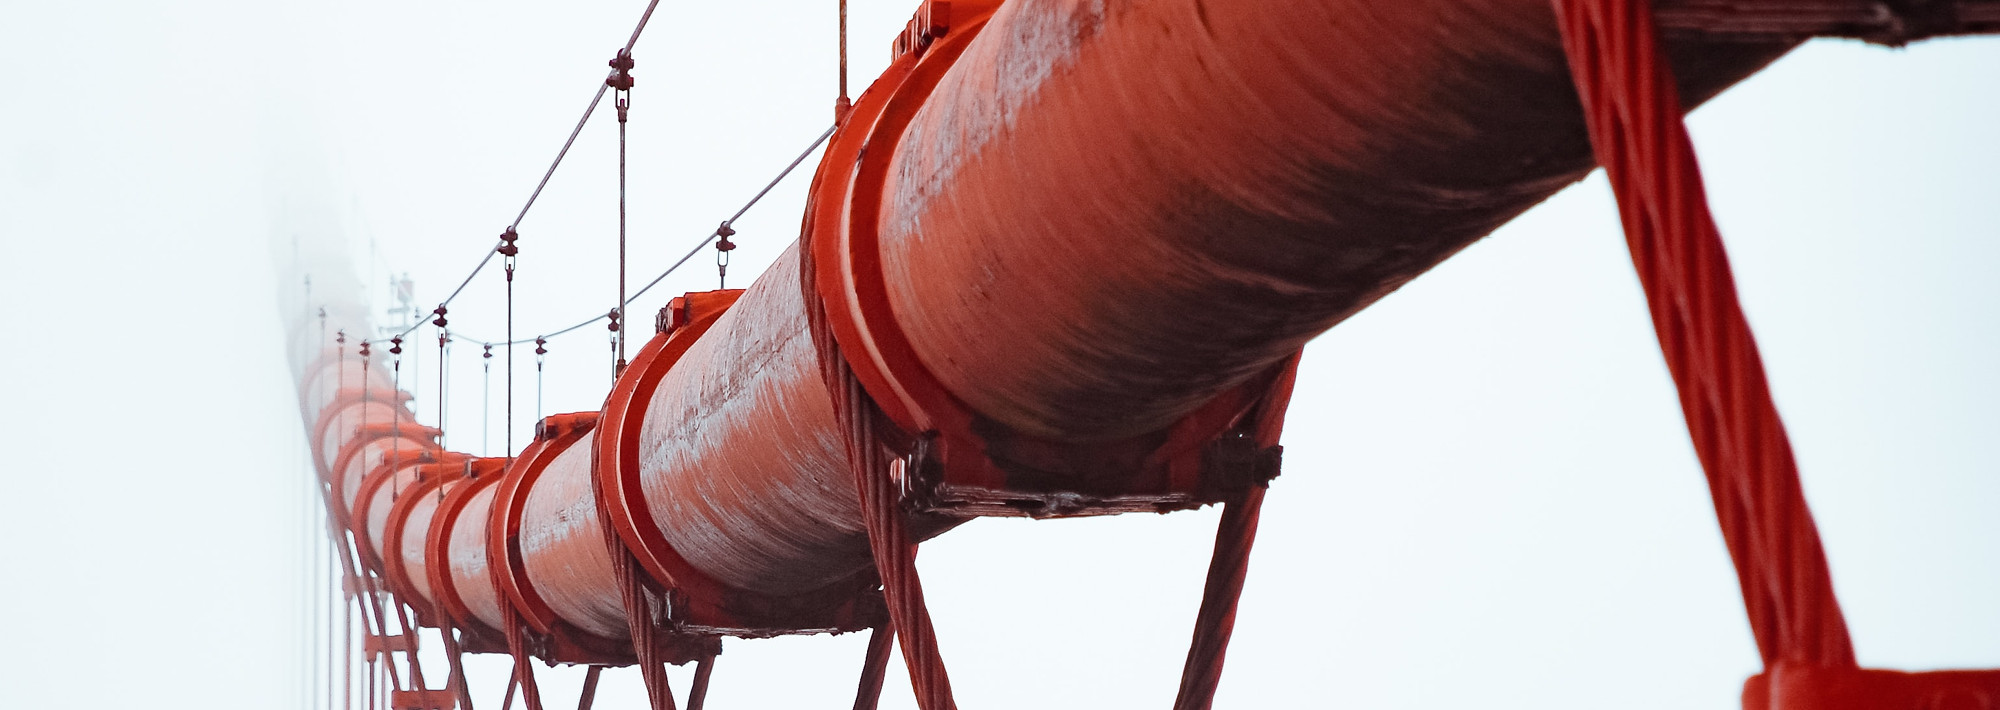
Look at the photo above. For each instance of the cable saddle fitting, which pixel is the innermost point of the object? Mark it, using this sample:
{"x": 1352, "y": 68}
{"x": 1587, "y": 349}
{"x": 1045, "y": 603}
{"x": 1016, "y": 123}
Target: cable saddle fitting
{"x": 621, "y": 72}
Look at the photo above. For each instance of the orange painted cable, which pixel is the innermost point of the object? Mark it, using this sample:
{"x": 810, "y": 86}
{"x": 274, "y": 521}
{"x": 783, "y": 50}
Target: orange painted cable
{"x": 1633, "y": 111}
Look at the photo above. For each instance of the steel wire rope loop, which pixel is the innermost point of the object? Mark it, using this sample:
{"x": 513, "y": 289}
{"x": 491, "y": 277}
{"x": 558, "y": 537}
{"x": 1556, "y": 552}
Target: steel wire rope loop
{"x": 910, "y": 78}
{"x": 884, "y": 396}
{"x": 631, "y": 537}
{"x": 1633, "y": 113}
{"x": 632, "y": 594}
{"x": 1235, "y": 534}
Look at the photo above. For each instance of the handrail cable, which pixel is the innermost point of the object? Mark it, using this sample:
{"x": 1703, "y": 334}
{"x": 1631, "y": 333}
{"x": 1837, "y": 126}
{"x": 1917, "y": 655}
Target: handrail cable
{"x": 691, "y": 252}
{"x": 546, "y": 175}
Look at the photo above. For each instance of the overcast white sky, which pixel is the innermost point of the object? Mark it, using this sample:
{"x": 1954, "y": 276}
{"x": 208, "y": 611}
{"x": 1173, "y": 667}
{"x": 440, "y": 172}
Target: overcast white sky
{"x": 1489, "y": 499}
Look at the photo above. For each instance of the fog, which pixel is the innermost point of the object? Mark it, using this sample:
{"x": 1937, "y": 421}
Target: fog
{"x": 1489, "y": 496}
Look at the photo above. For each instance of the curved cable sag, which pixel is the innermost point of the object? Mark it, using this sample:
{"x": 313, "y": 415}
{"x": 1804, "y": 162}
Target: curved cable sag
{"x": 678, "y": 263}
{"x": 550, "y": 173}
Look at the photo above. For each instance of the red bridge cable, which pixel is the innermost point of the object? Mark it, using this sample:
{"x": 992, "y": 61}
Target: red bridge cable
{"x": 889, "y": 540}
{"x": 1633, "y": 113}
{"x": 1235, "y": 534}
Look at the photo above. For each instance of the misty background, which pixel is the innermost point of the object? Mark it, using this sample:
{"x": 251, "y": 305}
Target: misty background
{"x": 1489, "y": 496}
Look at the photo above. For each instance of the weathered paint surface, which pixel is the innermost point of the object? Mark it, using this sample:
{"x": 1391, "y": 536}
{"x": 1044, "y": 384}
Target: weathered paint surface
{"x": 1107, "y": 213}
{"x": 1104, "y": 215}
{"x": 563, "y": 547}
{"x": 467, "y": 561}
{"x": 415, "y": 526}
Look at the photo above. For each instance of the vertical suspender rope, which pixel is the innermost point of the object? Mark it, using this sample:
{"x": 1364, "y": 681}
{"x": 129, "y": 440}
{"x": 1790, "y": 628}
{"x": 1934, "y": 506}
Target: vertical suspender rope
{"x": 303, "y": 622}
{"x": 541, "y": 349}
{"x": 380, "y": 660}
{"x": 346, "y": 641}
{"x": 396, "y": 442}
{"x": 638, "y": 607}
{"x": 486, "y": 395}
{"x": 350, "y": 582}
{"x": 509, "y": 249}
{"x": 302, "y": 615}
{"x": 516, "y": 636}
{"x": 444, "y": 374}
{"x": 416, "y": 378}
{"x": 368, "y": 623}
{"x": 395, "y": 461}
{"x": 840, "y": 105}
{"x": 335, "y": 593}
{"x": 621, "y": 82}
{"x": 322, "y": 632}
{"x": 363, "y": 597}
{"x": 1633, "y": 113}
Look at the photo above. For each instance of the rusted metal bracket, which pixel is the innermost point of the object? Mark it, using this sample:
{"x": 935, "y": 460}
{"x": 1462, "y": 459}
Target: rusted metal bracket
{"x": 1887, "y": 22}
